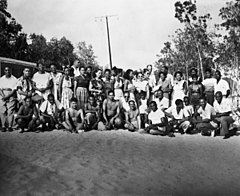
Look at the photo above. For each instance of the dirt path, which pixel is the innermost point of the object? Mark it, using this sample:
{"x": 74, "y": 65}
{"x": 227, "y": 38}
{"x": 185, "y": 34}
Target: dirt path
{"x": 117, "y": 163}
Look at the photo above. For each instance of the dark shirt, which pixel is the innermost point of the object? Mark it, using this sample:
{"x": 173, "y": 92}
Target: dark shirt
{"x": 82, "y": 81}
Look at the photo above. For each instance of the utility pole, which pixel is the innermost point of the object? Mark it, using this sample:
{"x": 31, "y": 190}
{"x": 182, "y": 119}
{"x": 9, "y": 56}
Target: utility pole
{"x": 108, "y": 36}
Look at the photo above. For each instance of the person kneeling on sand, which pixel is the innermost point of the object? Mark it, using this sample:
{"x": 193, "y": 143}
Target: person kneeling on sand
{"x": 204, "y": 121}
{"x": 132, "y": 117}
{"x": 111, "y": 111}
{"x": 158, "y": 123}
{"x": 27, "y": 116}
{"x": 50, "y": 113}
{"x": 222, "y": 107}
{"x": 179, "y": 117}
{"x": 92, "y": 112}
{"x": 74, "y": 119}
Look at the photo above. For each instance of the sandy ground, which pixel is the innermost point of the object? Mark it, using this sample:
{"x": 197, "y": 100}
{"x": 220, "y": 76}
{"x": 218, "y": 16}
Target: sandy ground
{"x": 117, "y": 163}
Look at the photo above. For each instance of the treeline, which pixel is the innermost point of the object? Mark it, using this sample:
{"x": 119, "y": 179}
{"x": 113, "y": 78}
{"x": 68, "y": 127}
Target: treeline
{"x": 14, "y": 43}
{"x": 201, "y": 46}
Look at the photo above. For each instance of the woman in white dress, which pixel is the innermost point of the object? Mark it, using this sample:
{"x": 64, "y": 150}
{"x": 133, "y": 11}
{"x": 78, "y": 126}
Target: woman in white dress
{"x": 66, "y": 88}
{"x": 56, "y": 76}
{"x": 118, "y": 85}
{"x": 179, "y": 87}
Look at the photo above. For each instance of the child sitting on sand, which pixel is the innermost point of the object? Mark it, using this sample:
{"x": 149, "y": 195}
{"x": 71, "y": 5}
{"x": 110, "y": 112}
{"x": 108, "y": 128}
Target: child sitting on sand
{"x": 27, "y": 116}
{"x": 74, "y": 120}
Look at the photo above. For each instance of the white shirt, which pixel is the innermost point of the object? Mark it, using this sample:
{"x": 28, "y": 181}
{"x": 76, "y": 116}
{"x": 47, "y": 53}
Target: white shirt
{"x": 50, "y": 109}
{"x": 10, "y": 82}
{"x": 162, "y": 104}
{"x": 209, "y": 84}
{"x": 224, "y": 106}
{"x": 156, "y": 116}
{"x": 182, "y": 113}
{"x": 143, "y": 107}
{"x": 189, "y": 109}
{"x": 152, "y": 80}
{"x": 221, "y": 86}
{"x": 140, "y": 85}
{"x": 41, "y": 80}
{"x": 207, "y": 112}
{"x": 124, "y": 104}
{"x": 76, "y": 71}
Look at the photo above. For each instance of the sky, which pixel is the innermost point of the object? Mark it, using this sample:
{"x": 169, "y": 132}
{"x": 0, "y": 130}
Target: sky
{"x": 138, "y": 28}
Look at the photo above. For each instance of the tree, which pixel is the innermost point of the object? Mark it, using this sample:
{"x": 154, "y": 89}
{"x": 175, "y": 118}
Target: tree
{"x": 230, "y": 15}
{"x": 195, "y": 33}
{"x": 86, "y": 54}
{"x": 38, "y": 48}
{"x": 12, "y": 41}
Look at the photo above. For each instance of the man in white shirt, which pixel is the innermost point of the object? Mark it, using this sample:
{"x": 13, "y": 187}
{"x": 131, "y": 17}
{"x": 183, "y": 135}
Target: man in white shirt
{"x": 205, "y": 125}
{"x": 221, "y": 85}
{"x": 158, "y": 124}
{"x": 169, "y": 76}
{"x": 209, "y": 82}
{"x": 43, "y": 81}
{"x": 75, "y": 66}
{"x": 179, "y": 116}
{"x": 162, "y": 102}
{"x": 8, "y": 101}
{"x": 222, "y": 107}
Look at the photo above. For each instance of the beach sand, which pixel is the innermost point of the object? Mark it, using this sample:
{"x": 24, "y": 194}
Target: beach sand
{"x": 117, "y": 163}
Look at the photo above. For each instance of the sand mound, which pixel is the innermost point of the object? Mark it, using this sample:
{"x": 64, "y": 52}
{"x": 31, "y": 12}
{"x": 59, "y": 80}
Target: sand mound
{"x": 117, "y": 163}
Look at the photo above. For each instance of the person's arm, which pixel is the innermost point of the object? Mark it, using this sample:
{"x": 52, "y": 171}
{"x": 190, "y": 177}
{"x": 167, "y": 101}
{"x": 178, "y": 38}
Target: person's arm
{"x": 75, "y": 88}
{"x": 80, "y": 113}
{"x": 185, "y": 87}
{"x": 126, "y": 117}
{"x": 201, "y": 90}
{"x": 168, "y": 114}
{"x": 60, "y": 87}
{"x": 105, "y": 110}
{"x": 67, "y": 117}
{"x": 228, "y": 92}
{"x": 19, "y": 114}
{"x": 125, "y": 85}
{"x": 91, "y": 89}
{"x": 138, "y": 120}
{"x": 148, "y": 91}
{"x": 50, "y": 84}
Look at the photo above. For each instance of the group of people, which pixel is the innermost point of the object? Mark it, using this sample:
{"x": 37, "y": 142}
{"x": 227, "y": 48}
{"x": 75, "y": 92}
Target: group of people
{"x": 81, "y": 99}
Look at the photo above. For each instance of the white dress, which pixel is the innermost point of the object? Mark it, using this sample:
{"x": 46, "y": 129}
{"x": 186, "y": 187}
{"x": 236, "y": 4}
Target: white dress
{"x": 178, "y": 91}
{"x": 67, "y": 93}
{"x": 118, "y": 89}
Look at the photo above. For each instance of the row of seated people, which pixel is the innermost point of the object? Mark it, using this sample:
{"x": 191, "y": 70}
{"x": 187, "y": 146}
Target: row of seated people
{"x": 156, "y": 117}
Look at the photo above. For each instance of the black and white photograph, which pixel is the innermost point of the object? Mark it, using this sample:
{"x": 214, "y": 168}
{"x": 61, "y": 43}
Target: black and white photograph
{"x": 119, "y": 97}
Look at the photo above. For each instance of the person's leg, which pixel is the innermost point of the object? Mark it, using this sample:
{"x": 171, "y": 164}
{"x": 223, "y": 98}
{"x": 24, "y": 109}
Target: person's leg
{"x": 3, "y": 121}
{"x": 158, "y": 131}
{"x": 67, "y": 126}
{"x": 11, "y": 107}
{"x": 225, "y": 123}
